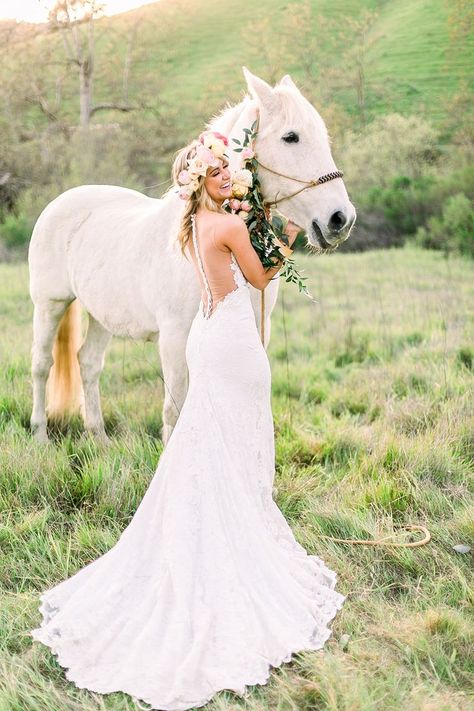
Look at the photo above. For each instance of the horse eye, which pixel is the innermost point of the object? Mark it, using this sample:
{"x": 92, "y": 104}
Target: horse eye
{"x": 291, "y": 137}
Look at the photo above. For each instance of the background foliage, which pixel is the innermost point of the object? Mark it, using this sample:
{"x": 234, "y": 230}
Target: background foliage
{"x": 391, "y": 80}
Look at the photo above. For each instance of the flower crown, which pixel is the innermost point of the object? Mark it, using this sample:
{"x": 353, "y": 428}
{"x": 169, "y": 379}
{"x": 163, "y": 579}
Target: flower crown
{"x": 210, "y": 149}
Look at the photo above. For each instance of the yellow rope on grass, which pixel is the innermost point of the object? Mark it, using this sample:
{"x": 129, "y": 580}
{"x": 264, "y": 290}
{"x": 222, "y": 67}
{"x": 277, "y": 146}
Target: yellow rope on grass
{"x": 382, "y": 541}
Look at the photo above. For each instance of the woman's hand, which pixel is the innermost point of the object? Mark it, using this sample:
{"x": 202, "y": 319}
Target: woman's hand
{"x": 292, "y": 230}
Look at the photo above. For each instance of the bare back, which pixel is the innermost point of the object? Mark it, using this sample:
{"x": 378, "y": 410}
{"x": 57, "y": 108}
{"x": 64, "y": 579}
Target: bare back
{"x": 216, "y": 261}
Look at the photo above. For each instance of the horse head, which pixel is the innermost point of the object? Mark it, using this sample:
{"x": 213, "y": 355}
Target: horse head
{"x": 297, "y": 171}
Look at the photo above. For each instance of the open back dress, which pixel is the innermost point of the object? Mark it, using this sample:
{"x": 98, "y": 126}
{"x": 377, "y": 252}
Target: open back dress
{"x": 206, "y": 588}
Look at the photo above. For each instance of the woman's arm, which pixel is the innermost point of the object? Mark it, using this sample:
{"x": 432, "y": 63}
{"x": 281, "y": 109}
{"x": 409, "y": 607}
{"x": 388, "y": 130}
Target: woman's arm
{"x": 237, "y": 239}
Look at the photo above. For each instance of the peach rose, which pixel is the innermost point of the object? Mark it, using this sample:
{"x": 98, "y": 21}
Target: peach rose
{"x": 196, "y": 167}
{"x": 245, "y": 205}
{"x": 234, "y": 204}
{"x": 238, "y": 190}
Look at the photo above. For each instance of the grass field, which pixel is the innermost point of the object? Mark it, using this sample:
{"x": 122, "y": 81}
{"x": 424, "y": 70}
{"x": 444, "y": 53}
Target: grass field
{"x": 373, "y": 413}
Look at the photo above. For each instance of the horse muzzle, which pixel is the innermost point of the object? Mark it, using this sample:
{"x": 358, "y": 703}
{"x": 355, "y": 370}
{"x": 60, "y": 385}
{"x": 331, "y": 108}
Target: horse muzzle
{"x": 330, "y": 236}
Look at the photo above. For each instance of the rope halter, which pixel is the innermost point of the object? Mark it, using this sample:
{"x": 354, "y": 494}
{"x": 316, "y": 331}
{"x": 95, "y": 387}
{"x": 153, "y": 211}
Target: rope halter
{"x": 307, "y": 183}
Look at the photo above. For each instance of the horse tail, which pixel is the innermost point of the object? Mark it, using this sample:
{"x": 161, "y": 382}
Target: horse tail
{"x": 65, "y": 394}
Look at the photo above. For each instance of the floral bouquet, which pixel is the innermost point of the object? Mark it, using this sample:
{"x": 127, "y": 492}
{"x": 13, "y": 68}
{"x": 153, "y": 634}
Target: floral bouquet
{"x": 267, "y": 232}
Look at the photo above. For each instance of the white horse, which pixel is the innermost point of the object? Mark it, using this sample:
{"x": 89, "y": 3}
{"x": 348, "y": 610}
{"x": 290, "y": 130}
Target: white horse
{"x": 115, "y": 251}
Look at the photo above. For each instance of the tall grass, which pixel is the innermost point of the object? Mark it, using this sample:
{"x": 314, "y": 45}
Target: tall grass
{"x": 373, "y": 413}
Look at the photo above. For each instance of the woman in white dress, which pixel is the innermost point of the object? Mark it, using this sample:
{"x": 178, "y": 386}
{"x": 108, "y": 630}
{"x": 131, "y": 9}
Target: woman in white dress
{"x": 206, "y": 588}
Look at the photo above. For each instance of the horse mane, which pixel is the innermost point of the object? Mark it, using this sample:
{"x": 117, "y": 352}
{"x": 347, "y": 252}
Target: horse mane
{"x": 225, "y": 119}
{"x": 295, "y": 110}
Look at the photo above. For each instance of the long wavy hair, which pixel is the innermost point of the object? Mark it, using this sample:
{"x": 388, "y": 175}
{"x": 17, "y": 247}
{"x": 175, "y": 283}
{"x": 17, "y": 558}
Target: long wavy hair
{"x": 199, "y": 198}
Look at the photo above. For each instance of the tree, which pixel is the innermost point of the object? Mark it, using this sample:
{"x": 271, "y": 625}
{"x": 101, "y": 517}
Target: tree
{"x": 75, "y": 20}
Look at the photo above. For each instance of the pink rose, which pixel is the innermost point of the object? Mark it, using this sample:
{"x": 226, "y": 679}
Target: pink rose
{"x": 222, "y": 138}
{"x": 247, "y": 153}
{"x": 184, "y": 178}
{"x": 205, "y": 137}
{"x": 184, "y": 193}
{"x": 245, "y": 205}
{"x": 206, "y": 155}
{"x": 234, "y": 204}
{"x": 214, "y": 133}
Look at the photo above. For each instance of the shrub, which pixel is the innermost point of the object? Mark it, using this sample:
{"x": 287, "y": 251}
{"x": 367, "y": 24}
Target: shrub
{"x": 453, "y": 230}
{"x": 15, "y": 231}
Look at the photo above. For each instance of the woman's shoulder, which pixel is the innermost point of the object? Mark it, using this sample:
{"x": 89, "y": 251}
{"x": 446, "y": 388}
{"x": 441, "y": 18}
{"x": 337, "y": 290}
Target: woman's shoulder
{"x": 229, "y": 222}
{"x": 222, "y": 225}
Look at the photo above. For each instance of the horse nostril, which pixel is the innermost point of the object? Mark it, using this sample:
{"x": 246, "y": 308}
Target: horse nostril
{"x": 337, "y": 221}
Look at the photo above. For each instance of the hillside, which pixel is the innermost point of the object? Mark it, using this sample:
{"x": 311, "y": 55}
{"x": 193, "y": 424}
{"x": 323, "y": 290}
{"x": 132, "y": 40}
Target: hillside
{"x": 189, "y": 54}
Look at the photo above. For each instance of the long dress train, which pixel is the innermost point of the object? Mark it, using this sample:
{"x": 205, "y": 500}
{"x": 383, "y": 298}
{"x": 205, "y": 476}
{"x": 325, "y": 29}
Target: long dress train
{"x": 206, "y": 587}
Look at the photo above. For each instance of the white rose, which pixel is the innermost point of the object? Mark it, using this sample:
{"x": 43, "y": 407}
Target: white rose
{"x": 196, "y": 167}
{"x": 243, "y": 177}
{"x": 216, "y": 145}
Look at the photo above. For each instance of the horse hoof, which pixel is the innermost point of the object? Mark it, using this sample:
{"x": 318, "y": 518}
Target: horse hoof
{"x": 39, "y": 435}
{"x": 102, "y": 438}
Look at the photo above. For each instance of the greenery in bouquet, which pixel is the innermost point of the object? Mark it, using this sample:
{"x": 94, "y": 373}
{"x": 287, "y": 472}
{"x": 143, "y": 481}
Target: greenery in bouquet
{"x": 266, "y": 228}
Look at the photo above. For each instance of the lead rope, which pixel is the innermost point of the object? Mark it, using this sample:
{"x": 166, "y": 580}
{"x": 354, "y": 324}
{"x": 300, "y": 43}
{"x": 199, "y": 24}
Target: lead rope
{"x": 353, "y": 541}
{"x": 381, "y": 541}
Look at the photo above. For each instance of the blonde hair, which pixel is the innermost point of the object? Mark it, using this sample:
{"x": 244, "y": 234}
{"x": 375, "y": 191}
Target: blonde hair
{"x": 199, "y": 198}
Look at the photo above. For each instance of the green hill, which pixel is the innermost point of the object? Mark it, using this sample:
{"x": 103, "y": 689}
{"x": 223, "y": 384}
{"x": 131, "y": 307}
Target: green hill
{"x": 188, "y": 55}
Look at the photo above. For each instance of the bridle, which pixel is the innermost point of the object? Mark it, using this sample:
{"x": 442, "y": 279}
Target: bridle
{"x": 307, "y": 183}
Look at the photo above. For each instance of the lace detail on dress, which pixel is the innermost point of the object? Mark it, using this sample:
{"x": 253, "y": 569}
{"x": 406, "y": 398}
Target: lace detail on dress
{"x": 239, "y": 278}
{"x": 201, "y": 268}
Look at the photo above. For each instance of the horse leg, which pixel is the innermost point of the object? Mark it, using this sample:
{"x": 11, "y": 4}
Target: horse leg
{"x": 46, "y": 318}
{"x": 91, "y": 357}
{"x": 172, "y": 345}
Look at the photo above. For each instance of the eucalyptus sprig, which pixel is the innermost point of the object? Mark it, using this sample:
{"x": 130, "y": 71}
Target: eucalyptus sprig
{"x": 267, "y": 236}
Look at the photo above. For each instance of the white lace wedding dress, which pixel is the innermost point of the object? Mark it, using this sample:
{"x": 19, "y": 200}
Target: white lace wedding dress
{"x": 207, "y": 586}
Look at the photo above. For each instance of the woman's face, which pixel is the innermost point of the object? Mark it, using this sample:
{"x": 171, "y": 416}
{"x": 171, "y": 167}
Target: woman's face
{"x": 217, "y": 181}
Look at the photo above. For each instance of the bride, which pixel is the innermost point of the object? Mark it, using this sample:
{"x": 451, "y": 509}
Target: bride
{"x": 206, "y": 588}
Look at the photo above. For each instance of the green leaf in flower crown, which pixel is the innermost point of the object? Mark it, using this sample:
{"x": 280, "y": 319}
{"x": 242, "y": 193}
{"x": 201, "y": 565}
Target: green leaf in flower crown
{"x": 236, "y": 140}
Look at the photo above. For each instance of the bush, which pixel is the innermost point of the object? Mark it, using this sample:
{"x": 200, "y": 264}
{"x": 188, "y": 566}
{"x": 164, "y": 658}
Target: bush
{"x": 405, "y": 203}
{"x": 453, "y": 230}
{"x": 15, "y": 231}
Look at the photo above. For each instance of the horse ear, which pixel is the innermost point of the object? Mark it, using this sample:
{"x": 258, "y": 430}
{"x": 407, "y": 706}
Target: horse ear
{"x": 287, "y": 81}
{"x": 260, "y": 90}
